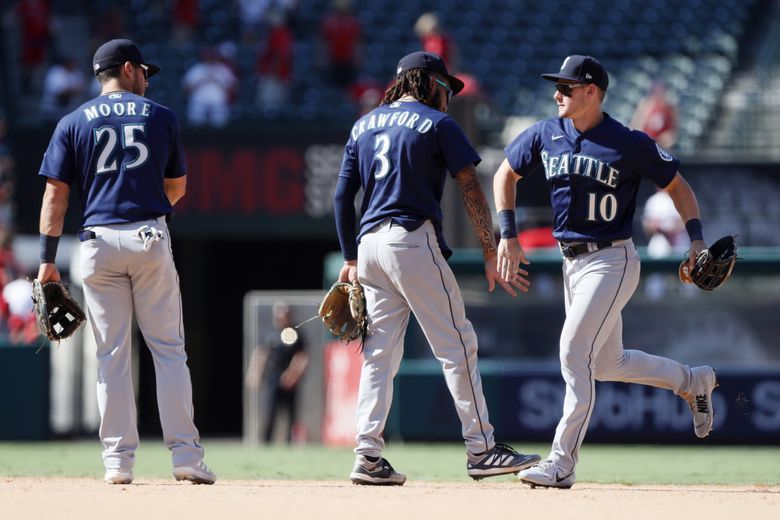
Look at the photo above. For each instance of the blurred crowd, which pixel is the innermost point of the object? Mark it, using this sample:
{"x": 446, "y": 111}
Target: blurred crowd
{"x": 61, "y": 80}
{"x": 17, "y": 323}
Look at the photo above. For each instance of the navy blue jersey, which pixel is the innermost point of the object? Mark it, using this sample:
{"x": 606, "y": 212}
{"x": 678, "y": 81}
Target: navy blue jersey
{"x": 401, "y": 153}
{"x": 117, "y": 148}
{"x": 593, "y": 176}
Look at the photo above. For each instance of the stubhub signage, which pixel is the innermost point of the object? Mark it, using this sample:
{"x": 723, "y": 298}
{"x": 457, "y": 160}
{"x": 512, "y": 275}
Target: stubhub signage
{"x": 525, "y": 405}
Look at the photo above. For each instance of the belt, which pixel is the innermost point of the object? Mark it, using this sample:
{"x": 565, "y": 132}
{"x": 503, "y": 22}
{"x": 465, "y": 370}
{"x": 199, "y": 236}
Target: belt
{"x": 85, "y": 235}
{"x": 576, "y": 250}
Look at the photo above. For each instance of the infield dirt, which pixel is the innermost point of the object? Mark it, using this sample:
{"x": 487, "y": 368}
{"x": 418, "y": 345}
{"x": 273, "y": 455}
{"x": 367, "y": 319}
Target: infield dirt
{"x": 23, "y": 498}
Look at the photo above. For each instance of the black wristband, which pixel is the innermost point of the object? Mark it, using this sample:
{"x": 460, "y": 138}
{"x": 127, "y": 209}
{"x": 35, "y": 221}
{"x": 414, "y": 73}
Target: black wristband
{"x": 506, "y": 223}
{"x": 49, "y": 248}
{"x": 693, "y": 227}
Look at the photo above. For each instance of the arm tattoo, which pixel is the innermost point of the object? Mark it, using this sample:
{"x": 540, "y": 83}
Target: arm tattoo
{"x": 477, "y": 208}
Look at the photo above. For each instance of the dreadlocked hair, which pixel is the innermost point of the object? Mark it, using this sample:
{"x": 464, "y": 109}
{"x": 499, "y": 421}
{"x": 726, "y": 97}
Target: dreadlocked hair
{"x": 415, "y": 82}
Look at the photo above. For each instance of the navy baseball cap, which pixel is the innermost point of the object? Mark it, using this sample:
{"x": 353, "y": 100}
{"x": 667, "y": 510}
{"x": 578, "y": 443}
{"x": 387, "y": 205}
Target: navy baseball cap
{"x": 428, "y": 61}
{"x": 116, "y": 52}
{"x": 581, "y": 69}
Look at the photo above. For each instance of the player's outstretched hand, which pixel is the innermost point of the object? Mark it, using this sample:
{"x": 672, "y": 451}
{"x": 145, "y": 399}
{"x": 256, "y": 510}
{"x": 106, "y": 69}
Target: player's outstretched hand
{"x": 510, "y": 256}
{"x": 518, "y": 281}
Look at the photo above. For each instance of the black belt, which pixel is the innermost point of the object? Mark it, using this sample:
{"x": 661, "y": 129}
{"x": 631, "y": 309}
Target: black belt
{"x": 85, "y": 235}
{"x": 576, "y": 250}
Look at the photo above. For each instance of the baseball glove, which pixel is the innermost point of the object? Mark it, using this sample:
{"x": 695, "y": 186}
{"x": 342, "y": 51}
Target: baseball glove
{"x": 57, "y": 313}
{"x": 713, "y": 265}
{"x": 343, "y": 311}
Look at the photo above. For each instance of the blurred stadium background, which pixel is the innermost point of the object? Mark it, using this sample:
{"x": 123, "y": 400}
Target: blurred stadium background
{"x": 258, "y": 218}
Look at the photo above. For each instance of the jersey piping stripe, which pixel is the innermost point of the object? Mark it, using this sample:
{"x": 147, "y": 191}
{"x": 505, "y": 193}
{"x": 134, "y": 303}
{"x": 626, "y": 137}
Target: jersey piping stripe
{"x": 460, "y": 336}
{"x": 591, "y": 400}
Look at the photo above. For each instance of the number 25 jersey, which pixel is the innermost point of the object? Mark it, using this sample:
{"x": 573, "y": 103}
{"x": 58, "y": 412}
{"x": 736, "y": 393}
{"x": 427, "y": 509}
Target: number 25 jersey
{"x": 117, "y": 148}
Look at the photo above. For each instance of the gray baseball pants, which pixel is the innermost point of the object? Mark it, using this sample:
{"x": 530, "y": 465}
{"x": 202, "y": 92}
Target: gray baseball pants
{"x": 121, "y": 279}
{"x": 597, "y": 286}
{"x": 403, "y": 272}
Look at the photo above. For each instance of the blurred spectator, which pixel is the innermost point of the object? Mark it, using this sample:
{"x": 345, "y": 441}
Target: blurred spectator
{"x": 254, "y": 14}
{"x": 107, "y": 22}
{"x": 274, "y": 66}
{"x": 17, "y": 294}
{"x": 210, "y": 84}
{"x": 341, "y": 33}
{"x": 463, "y": 107}
{"x": 64, "y": 87}
{"x": 663, "y": 226}
{"x": 276, "y": 369}
{"x": 367, "y": 95}
{"x": 34, "y": 18}
{"x": 185, "y": 20}
{"x": 656, "y": 116}
{"x": 434, "y": 39}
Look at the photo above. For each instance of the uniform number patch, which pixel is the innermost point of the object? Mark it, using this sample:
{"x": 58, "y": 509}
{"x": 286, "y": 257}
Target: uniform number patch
{"x": 603, "y": 209}
{"x": 106, "y": 139}
{"x": 381, "y": 147}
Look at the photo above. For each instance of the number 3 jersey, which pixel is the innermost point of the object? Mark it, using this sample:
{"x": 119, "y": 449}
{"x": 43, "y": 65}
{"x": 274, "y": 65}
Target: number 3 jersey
{"x": 400, "y": 154}
{"x": 593, "y": 176}
{"x": 117, "y": 148}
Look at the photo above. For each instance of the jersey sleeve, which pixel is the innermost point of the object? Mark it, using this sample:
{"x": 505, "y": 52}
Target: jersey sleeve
{"x": 524, "y": 152}
{"x": 59, "y": 161}
{"x": 347, "y": 187}
{"x": 454, "y": 146}
{"x": 176, "y": 166}
{"x": 655, "y": 164}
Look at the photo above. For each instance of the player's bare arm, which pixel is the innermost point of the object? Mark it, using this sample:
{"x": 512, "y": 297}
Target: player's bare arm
{"x": 476, "y": 205}
{"x": 688, "y": 207}
{"x": 510, "y": 253}
{"x": 175, "y": 189}
{"x": 477, "y": 208}
{"x": 55, "y": 203}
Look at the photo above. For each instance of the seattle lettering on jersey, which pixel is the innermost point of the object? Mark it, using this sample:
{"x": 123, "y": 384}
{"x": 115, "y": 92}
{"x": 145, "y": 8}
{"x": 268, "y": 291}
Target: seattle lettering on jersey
{"x": 406, "y": 118}
{"x": 579, "y": 164}
{"x": 127, "y": 108}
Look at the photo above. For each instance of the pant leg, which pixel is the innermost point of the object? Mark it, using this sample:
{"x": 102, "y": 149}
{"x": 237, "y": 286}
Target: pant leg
{"x": 108, "y": 298}
{"x": 414, "y": 263}
{"x": 635, "y": 366}
{"x": 388, "y": 317}
{"x": 270, "y": 397}
{"x": 158, "y": 309}
{"x": 599, "y": 286}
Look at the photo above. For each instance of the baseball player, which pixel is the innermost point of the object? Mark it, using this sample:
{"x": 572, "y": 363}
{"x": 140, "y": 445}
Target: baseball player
{"x": 124, "y": 153}
{"x": 593, "y": 165}
{"x": 399, "y": 154}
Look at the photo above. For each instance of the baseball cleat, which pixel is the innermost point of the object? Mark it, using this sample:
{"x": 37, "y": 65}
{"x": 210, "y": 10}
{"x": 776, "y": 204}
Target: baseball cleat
{"x": 379, "y": 473}
{"x": 501, "y": 459}
{"x": 546, "y": 474}
{"x": 700, "y": 399}
{"x": 117, "y": 476}
{"x": 197, "y": 474}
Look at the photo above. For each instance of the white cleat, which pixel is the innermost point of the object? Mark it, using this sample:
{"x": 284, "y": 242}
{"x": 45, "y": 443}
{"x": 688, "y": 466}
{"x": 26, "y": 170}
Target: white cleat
{"x": 117, "y": 476}
{"x": 705, "y": 380}
{"x": 546, "y": 474}
{"x": 197, "y": 474}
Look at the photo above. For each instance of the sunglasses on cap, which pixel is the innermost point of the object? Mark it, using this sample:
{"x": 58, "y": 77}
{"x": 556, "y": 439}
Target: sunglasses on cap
{"x": 144, "y": 68}
{"x": 566, "y": 88}
{"x": 446, "y": 87}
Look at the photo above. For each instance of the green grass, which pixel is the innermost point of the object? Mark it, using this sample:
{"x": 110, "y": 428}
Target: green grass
{"x": 632, "y": 465}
